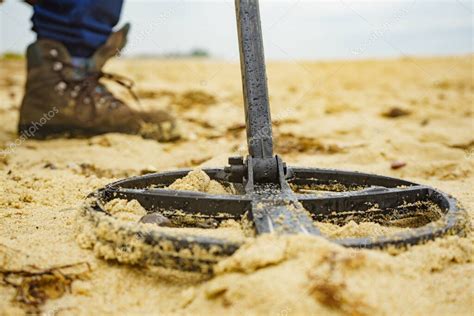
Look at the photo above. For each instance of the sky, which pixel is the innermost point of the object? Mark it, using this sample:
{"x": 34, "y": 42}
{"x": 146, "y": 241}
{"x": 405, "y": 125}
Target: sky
{"x": 292, "y": 29}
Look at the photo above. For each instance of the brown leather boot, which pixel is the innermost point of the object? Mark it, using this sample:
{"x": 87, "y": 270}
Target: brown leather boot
{"x": 62, "y": 99}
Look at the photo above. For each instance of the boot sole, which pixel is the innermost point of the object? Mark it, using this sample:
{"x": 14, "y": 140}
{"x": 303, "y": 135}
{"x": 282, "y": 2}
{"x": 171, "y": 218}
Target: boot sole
{"x": 66, "y": 131}
{"x": 57, "y": 131}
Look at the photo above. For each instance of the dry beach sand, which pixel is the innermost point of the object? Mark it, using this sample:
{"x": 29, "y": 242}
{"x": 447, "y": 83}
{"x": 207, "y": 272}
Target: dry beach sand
{"x": 410, "y": 118}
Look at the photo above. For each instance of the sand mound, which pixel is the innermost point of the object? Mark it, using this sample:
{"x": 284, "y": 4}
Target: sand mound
{"x": 198, "y": 180}
{"x": 309, "y": 274}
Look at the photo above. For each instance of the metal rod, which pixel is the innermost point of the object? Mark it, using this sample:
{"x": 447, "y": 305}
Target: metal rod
{"x": 254, "y": 79}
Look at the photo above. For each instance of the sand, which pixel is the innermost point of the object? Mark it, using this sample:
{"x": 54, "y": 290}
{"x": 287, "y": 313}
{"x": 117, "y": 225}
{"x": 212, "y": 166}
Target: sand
{"x": 198, "y": 180}
{"x": 365, "y": 116}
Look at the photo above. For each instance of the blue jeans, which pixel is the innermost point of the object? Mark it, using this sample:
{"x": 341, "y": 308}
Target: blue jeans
{"x": 80, "y": 25}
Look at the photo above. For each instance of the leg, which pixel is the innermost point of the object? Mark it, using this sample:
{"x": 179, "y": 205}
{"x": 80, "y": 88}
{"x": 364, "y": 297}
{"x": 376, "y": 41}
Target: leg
{"x": 80, "y": 25}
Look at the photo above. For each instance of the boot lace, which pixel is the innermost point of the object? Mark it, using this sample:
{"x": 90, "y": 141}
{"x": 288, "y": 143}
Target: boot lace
{"x": 88, "y": 85}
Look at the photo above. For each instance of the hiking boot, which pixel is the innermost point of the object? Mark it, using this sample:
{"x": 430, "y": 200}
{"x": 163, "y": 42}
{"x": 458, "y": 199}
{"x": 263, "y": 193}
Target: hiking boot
{"x": 63, "y": 99}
